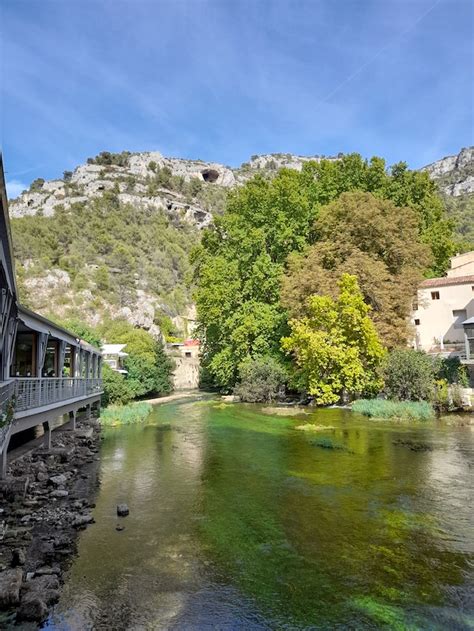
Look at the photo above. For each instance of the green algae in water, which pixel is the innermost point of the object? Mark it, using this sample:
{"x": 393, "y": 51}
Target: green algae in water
{"x": 328, "y": 443}
{"x": 239, "y": 521}
{"x": 387, "y": 615}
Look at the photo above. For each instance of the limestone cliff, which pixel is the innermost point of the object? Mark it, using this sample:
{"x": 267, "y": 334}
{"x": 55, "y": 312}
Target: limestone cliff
{"x": 455, "y": 174}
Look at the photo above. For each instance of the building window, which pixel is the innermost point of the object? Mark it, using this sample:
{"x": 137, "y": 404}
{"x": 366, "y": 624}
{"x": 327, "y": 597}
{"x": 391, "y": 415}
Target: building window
{"x": 459, "y": 316}
{"x": 188, "y": 354}
{"x": 25, "y": 349}
{"x": 435, "y": 295}
{"x": 417, "y": 322}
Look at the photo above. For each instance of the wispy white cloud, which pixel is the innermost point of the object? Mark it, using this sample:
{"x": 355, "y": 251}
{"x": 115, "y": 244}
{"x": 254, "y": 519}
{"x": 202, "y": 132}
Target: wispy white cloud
{"x": 223, "y": 80}
{"x": 15, "y": 187}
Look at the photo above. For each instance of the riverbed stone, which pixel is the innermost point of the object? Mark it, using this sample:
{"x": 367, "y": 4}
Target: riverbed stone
{"x": 82, "y": 520}
{"x": 10, "y": 582}
{"x": 44, "y": 587}
{"x": 122, "y": 510}
{"x": 58, "y": 480}
{"x": 32, "y": 609}
{"x": 59, "y": 493}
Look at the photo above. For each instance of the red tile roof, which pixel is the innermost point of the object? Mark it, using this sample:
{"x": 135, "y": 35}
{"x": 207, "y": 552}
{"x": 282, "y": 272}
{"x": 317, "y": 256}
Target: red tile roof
{"x": 447, "y": 280}
{"x": 191, "y": 343}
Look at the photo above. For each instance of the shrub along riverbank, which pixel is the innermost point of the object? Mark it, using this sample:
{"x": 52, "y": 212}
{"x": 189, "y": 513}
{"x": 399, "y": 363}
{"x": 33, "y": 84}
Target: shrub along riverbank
{"x": 403, "y": 410}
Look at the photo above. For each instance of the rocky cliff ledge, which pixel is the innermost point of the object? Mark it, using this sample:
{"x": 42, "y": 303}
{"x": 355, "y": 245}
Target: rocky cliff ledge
{"x": 134, "y": 181}
{"x": 455, "y": 174}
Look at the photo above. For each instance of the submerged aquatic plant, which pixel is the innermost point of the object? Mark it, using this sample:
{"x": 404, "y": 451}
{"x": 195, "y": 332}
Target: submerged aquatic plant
{"x": 390, "y": 616}
{"x": 327, "y": 443}
{"x": 311, "y": 427}
{"x": 125, "y": 414}
{"x": 402, "y": 410}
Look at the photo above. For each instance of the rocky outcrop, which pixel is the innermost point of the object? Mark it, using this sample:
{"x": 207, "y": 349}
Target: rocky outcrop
{"x": 455, "y": 174}
{"x": 131, "y": 184}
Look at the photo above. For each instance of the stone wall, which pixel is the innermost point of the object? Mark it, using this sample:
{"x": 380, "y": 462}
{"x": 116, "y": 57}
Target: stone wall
{"x": 186, "y": 374}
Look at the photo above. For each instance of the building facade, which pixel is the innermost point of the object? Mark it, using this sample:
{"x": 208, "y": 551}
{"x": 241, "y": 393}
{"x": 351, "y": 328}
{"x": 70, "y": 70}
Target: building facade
{"x": 187, "y": 365}
{"x": 444, "y": 310}
{"x": 46, "y": 372}
{"x": 113, "y": 355}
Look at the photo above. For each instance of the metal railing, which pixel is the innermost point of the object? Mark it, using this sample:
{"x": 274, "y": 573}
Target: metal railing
{"x": 31, "y": 393}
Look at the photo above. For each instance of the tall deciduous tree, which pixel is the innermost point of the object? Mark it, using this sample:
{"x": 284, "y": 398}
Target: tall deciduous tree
{"x": 335, "y": 347}
{"x": 370, "y": 237}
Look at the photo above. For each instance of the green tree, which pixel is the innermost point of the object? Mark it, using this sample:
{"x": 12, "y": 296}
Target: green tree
{"x": 410, "y": 375}
{"x": 149, "y": 367}
{"x": 238, "y": 269}
{"x": 117, "y": 389}
{"x": 335, "y": 347}
{"x": 371, "y": 238}
{"x": 260, "y": 380}
{"x": 83, "y": 331}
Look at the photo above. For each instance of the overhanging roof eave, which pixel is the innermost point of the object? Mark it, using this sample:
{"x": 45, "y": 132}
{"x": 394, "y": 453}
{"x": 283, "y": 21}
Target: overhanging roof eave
{"x": 39, "y": 323}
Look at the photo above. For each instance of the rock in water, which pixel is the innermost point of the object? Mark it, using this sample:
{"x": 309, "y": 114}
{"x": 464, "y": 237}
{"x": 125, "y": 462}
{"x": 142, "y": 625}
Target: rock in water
{"x": 32, "y": 608}
{"x": 122, "y": 510}
{"x": 82, "y": 520}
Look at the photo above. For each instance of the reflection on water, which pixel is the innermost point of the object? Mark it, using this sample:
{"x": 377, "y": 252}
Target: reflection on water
{"x": 239, "y": 521}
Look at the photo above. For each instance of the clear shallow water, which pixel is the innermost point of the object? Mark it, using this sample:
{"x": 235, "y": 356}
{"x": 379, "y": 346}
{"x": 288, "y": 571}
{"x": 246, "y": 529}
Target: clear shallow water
{"x": 239, "y": 521}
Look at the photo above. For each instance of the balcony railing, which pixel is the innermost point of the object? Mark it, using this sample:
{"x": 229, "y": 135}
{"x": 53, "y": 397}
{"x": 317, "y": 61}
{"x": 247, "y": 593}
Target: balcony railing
{"x": 32, "y": 393}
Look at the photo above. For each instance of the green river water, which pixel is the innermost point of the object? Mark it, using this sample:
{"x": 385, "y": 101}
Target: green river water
{"x": 240, "y": 521}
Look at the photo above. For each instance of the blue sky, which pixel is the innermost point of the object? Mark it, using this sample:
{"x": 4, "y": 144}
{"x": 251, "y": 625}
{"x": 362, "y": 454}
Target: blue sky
{"x": 224, "y": 79}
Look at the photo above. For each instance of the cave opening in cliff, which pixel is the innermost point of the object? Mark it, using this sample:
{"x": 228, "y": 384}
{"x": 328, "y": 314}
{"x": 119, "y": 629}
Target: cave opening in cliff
{"x": 209, "y": 175}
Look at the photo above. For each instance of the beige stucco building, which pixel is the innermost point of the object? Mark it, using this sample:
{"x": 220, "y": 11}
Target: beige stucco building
{"x": 444, "y": 308}
{"x": 186, "y": 358}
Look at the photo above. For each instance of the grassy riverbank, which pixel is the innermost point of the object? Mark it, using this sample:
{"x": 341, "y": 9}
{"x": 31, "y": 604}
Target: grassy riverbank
{"x": 403, "y": 410}
{"x": 125, "y": 414}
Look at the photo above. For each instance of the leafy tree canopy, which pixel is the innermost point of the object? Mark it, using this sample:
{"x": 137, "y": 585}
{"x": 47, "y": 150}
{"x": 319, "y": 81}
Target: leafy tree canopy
{"x": 335, "y": 347}
{"x": 370, "y": 237}
{"x": 260, "y": 380}
{"x": 242, "y": 257}
{"x": 82, "y": 330}
{"x": 149, "y": 368}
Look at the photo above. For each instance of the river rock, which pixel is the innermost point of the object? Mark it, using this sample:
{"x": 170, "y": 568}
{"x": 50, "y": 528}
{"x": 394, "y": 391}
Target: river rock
{"x": 58, "y": 480}
{"x": 47, "y": 571}
{"x": 10, "y": 582}
{"x": 32, "y": 609}
{"x": 59, "y": 493}
{"x": 37, "y": 595}
{"x": 82, "y": 520}
{"x": 44, "y": 587}
{"x": 122, "y": 510}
